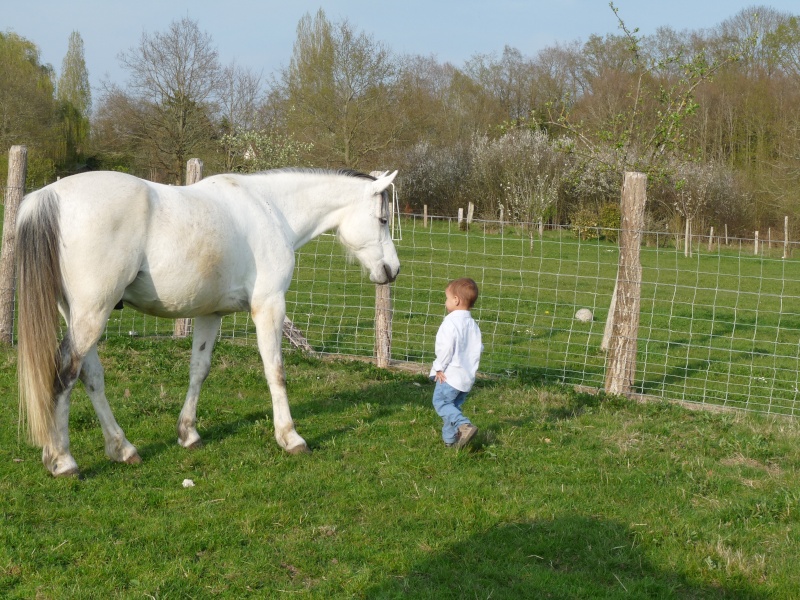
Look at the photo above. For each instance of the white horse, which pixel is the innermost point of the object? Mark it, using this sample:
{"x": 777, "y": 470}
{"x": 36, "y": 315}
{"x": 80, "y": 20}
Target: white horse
{"x": 89, "y": 242}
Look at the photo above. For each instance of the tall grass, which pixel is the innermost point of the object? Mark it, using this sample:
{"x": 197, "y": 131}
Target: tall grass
{"x": 563, "y": 495}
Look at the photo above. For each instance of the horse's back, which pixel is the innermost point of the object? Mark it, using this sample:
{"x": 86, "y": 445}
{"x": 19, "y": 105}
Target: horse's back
{"x": 172, "y": 251}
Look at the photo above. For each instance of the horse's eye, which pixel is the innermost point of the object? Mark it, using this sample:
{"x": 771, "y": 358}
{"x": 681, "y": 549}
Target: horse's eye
{"x": 384, "y": 221}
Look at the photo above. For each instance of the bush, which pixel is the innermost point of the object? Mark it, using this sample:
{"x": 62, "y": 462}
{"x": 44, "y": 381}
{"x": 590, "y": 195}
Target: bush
{"x": 609, "y": 220}
{"x": 589, "y": 223}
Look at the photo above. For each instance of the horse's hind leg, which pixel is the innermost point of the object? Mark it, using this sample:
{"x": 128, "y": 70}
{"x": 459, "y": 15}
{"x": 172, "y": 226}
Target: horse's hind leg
{"x": 77, "y": 343}
{"x": 118, "y": 448}
{"x": 203, "y": 338}
{"x": 56, "y": 455}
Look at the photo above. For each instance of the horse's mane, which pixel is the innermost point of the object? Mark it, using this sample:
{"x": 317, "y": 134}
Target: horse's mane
{"x": 345, "y": 172}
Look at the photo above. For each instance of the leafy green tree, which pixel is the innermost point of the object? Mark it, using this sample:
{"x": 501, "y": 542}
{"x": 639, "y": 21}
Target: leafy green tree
{"x": 339, "y": 83}
{"x": 27, "y": 108}
{"x": 75, "y": 98}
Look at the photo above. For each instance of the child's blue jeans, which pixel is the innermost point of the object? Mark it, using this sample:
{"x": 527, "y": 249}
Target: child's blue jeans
{"x": 447, "y": 402}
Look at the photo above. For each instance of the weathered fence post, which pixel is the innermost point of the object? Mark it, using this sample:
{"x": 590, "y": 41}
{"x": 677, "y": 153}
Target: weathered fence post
{"x": 610, "y": 319}
{"x": 687, "y": 242}
{"x": 470, "y": 213}
{"x": 621, "y": 358}
{"x": 786, "y": 236}
{"x": 711, "y": 239}
{"x": 17, "y": 172}
{"x": 425, "y": 216}
{"x": 755, "y": 244}
{"x": 383, "y": 325}
{"x": 194, "y": 173}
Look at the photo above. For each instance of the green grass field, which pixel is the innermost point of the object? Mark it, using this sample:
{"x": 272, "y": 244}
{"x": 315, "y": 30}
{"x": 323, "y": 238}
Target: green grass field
{"x": 562, "y": 495}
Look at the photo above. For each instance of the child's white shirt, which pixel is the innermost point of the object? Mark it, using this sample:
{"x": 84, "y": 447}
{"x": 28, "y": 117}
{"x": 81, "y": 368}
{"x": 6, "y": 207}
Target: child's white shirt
{"x": 458, "y": 350}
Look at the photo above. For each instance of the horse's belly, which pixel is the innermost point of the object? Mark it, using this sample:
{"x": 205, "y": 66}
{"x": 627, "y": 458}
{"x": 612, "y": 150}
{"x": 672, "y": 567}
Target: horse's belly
{"x": 173, "y": 299}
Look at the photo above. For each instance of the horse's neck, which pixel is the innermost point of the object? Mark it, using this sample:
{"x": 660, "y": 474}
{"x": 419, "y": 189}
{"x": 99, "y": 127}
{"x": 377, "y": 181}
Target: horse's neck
{"x": 310, "y": 214}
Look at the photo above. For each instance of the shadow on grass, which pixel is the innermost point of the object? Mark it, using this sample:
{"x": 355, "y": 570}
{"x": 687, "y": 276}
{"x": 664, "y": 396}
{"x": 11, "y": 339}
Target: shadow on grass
{"x": 568, "y": 557}
{"x": 385, "y": 398}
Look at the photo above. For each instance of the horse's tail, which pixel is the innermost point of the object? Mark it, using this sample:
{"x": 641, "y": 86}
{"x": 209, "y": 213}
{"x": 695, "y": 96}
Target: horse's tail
{"x": 40, "y": 289}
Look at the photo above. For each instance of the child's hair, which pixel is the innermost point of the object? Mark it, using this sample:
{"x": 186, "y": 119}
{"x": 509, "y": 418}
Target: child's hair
{"x": 466, "y": 290}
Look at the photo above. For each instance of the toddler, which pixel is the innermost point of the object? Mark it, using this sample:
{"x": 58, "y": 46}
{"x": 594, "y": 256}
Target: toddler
{"x": 458, "y": 353}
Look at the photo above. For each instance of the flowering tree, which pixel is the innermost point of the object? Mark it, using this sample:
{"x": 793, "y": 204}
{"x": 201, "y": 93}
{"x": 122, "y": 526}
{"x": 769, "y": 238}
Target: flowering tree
{"x": 253, "y": 151}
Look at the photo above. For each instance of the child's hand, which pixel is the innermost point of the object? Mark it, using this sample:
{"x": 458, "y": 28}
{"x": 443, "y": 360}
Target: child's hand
{"x": 440, "y": 377}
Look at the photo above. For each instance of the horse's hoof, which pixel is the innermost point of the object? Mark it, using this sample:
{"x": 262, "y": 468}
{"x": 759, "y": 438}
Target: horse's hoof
{"x": 72, "y": 472}
{"x": 134, "y": 459}
{"x": 299, "y": 449}
{"x": 190, "y": 440}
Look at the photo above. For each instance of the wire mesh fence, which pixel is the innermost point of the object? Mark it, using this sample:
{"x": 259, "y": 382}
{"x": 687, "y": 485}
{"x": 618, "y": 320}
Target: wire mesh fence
{"x": 720, "y": 327}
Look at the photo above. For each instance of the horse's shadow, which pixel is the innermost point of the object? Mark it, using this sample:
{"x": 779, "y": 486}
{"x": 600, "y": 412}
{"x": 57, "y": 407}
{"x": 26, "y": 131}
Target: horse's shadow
{"x": 569, "y": 556}
{"x": 385, "y": 398}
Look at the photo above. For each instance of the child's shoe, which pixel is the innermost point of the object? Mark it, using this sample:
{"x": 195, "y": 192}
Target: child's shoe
{"x": 465, "y": 433}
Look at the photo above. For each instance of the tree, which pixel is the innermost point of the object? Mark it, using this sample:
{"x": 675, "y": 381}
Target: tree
{"x": 173, "y": 85}
{"x": 253, "y": 151}
{"x": 508, "y": 80}
{"x": 27, "y": 107}
{"x": 339, "y": 83}
{"x": 75, "y": 98}
{"x": 638, "y": 105}
{"x": 239, "y": 102}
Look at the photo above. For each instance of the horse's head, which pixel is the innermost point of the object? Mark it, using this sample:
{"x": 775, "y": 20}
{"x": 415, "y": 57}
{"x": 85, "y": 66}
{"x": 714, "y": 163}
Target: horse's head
{"x": 365, "y": 232}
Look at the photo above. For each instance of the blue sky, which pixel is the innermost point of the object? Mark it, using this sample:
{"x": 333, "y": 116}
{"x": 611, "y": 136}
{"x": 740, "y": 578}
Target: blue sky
{"x": 260, "y": 33}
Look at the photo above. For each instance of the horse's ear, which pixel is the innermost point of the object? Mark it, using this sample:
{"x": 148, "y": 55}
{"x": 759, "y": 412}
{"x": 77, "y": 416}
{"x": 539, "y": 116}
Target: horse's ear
{"x": 383, "y": 182}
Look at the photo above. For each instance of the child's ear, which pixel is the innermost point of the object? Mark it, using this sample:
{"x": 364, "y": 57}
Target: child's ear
{"x": 457, "y": 300}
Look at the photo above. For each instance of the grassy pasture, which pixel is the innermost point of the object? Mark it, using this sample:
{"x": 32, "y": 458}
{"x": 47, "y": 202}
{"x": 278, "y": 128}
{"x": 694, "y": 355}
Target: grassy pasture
{"x": 563, "y": 495}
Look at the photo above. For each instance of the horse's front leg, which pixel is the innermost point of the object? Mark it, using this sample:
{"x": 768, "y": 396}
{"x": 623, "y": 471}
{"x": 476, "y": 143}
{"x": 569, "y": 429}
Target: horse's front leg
{"x": 203, "y": 338}
{"x": 268, "y": 318}
{"x": 118, "y": 448}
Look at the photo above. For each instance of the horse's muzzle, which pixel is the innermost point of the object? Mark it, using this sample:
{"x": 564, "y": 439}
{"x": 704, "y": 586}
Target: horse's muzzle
{"x": 390, "y": 277}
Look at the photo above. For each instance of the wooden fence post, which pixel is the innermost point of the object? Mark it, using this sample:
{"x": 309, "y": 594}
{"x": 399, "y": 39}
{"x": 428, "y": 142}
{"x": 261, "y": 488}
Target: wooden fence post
{"x": 194, "y": 173}
{"x": 621, "y": 358}
{"x": 383, "y": 325}
{"x": 786, "y": 236}
{"x": 755, "y": 244}
{"x": 711, "y": 239}
{"x": 425, "y": 216}
{"x": 17, "y": 172}
{"x": 610, "y": 319}
{"x": 470, "y": 213}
